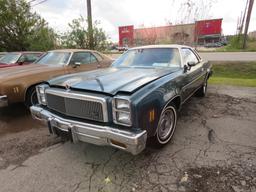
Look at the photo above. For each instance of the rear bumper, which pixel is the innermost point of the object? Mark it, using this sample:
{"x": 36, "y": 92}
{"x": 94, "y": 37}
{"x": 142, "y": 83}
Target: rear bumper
{"x": 3, "y": 101}
{"x": 133, "y": 142}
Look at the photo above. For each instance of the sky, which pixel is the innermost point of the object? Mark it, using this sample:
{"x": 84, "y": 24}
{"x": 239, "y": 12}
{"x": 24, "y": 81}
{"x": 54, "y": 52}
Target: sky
{"x": 114, "y": 13}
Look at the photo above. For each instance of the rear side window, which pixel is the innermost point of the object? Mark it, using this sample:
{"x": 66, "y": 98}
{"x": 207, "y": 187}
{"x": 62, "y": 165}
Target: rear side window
{"x": 93, "y": 59}
{"x": 99, "y": 57}
{"x": 188, "y": 55}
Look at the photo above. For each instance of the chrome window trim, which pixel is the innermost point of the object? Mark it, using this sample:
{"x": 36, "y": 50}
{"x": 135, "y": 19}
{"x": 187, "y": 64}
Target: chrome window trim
{"x": 71, "y": 55}
{"x": 81, "y": 96}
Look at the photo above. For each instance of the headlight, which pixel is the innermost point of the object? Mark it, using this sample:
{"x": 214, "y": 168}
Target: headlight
{"x": 122, "y": 104}
{"x": 40, "y": 89}
{"x": 122, "y": 111}
{"x": 123, "y": 117}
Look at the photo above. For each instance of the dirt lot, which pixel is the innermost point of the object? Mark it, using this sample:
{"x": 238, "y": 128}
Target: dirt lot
{"x": 214, "y": 149}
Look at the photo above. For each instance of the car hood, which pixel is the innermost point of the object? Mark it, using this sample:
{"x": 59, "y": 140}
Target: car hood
{"x": 25, "y": 70}
{"x": 111, "y": 80}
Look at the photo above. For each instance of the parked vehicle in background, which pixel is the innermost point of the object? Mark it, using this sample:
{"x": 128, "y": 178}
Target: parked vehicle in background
{"x": 19, "y": 58}
{"x": 18, "y": 85}
{"x": 133, "y": 102}
{"x": 212, "y": 45}
{"x": 2, "y": 54}
{"x": 125, "y": 48}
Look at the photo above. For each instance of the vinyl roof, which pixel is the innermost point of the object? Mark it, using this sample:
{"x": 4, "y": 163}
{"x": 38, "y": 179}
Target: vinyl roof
{"x": 159, "y": 46}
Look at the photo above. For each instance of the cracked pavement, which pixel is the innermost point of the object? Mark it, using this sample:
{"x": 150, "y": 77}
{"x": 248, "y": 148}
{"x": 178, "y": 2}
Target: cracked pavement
{"x": 213, "y": 149}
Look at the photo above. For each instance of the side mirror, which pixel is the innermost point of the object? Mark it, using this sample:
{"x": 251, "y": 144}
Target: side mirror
{"x": 76, "y": 64}
{"x": 186, "y": 68}
{"x": 20, "y": 63}
{"x": 191, "y": 63}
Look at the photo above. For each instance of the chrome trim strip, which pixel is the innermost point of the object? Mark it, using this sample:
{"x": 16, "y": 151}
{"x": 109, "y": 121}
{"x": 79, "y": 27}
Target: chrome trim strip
{"x": 3, "y": 101}
{"x": 134, "y": 142}
{"x": 81, "y": 96}
{"x": 68, "y": 62}
{"x": 190, "y": 95}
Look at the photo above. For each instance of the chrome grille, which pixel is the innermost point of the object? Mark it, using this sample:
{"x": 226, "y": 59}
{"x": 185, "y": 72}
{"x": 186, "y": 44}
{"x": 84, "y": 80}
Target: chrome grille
{"x": 56, "y": 103}
{"x": 75, "y": 104}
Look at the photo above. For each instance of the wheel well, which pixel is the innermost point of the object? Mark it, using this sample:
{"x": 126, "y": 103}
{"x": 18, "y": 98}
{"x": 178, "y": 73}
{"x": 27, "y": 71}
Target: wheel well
{"x": 176, "y": 101}
{"x": 29, "y": 88}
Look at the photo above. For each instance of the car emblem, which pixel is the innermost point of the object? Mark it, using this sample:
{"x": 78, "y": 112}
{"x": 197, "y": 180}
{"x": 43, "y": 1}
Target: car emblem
{"x": 67, "y": 86}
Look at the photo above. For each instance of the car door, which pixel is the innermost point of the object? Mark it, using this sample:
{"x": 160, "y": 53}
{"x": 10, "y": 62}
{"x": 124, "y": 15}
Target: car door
{"x": 193, "y": 74}
{"x": 82, "y": 61}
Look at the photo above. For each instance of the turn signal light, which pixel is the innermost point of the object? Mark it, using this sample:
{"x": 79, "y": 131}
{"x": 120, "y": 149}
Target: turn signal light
{"x": 116, "y": 143}
{"x": 151, "y": 115}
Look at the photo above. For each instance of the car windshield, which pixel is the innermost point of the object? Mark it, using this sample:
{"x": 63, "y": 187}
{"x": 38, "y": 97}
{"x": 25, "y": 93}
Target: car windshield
{"x": 150, "y": 57}
{"x": 54, "y": 58}
{"x": 10, "y": 58}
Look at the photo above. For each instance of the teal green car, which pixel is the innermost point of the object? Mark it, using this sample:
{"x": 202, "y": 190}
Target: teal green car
{"x": 130, "y": 104}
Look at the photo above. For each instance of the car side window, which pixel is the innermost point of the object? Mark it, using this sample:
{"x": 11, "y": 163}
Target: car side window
{"x": 30, "y": 57}
{"x": 83, "y": 58}
{"x": 22, "y": 58}
{"x": 93, "y": 58}
{"x": 99, "y": 57}
{"x": 188, "y": 56}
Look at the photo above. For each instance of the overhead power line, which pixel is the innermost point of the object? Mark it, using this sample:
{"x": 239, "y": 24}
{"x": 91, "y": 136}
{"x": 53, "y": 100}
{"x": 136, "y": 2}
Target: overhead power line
{"x": 31, "y": 1}
{"x": 41, "y": 2}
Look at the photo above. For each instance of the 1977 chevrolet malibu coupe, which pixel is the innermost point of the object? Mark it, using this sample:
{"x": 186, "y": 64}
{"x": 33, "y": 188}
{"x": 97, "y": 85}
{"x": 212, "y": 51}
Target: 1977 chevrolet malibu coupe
{"x": 133, "y": 102}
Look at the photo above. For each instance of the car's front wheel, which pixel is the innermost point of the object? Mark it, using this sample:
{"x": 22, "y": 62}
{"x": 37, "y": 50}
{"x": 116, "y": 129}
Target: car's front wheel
{"x": 31, "y": 97}
{"x": 166, "y": 127}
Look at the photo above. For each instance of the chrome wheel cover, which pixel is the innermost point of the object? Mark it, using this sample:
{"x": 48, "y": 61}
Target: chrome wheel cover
{"x": 167, "y": 124}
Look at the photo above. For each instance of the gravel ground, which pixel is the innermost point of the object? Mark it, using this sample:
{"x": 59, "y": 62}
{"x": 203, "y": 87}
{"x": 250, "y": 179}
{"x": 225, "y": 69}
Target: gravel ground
{"x": 213, "y": 149}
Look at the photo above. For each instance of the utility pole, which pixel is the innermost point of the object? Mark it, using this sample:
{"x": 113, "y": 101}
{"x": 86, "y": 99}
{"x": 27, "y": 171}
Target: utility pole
{"x": 242, "y": 23}
{"x": 89, "y": 19}
{"x": 247, "y": 22}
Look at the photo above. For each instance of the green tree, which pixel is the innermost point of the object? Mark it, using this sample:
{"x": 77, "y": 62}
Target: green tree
{"x": 21, "y": 29}
{"x": 78, "y": 36}
{"x": 43, "y": 38}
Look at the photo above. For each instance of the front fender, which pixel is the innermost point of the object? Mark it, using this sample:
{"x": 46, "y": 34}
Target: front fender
{"x": 150, "y": 101}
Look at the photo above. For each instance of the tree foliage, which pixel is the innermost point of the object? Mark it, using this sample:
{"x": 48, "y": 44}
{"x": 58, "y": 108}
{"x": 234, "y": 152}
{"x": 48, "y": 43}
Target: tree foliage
{"x": 78, "y": 36}
{"x": 23, "y": 30}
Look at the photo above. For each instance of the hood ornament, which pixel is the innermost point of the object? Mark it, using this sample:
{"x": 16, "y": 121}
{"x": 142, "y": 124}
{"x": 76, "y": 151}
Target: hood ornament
{"x": 68, "y": 83}
{"x": 67, "y": 86}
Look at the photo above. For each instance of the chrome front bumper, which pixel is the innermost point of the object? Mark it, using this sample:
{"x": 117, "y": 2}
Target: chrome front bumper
{"x": 3, "y": 101}
{"x": 99, "y": 135}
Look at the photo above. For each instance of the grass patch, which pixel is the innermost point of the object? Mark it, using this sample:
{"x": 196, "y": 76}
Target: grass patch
{"x": 234, "y": 73}
{"x": 251, "y": 47}
{"x": 236, "y": 43}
